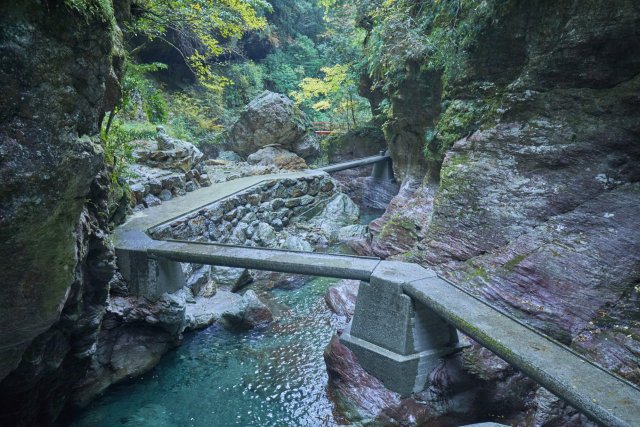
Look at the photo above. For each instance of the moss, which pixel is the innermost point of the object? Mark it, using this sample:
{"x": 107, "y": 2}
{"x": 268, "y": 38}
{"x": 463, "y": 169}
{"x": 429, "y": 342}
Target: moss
{"x": 101, "y": 10}
{"x": 452, "y": 177}
{"x": 395, "y": 223}
{"x": 513, "y": 262}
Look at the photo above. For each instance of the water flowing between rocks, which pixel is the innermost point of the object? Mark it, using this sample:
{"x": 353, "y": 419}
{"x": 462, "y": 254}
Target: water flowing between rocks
{"x": 217, "y": 377}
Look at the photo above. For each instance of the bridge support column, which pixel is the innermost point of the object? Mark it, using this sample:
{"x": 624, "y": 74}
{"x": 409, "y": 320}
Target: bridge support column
{"x": 383, "y": 171}
{"x": 148, "y": 276}
{"x": 395, "y": 339}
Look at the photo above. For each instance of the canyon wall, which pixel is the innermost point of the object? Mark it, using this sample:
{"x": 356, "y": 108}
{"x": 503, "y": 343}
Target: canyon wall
{"x": 58, "y": 74}
{"x": 528, "y": 187}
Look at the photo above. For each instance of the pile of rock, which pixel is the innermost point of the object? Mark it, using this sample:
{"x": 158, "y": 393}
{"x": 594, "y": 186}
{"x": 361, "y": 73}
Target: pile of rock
{"x": 294, "y": 214}
{"x": 167, "y": 153}
{"x": 164, "y": 169}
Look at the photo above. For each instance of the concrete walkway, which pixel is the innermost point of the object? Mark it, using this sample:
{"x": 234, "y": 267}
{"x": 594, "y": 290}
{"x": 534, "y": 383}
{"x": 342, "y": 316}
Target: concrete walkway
{"x": 406, "y": 317}
{"x": 179, "y": 206}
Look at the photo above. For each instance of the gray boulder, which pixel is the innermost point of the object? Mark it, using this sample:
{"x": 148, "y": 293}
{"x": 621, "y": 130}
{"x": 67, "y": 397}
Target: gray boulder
{"x": 272, "y": 118}
{"x": 229, "y": 156}
{"x": 167, "y": 153}
{"x": 278, "y": 157}
{"x": 356, "y": 231}
{"x": 295, "y": 243}
{"x": 341, "y": 298}
{"x": 341, "y": 211}
{"x": 249, "y": 313}
{"x": 233, "y": 278}
{"x": 265, "y": 235}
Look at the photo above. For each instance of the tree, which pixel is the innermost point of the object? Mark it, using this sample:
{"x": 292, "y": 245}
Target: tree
{"x": 197, "y": 28}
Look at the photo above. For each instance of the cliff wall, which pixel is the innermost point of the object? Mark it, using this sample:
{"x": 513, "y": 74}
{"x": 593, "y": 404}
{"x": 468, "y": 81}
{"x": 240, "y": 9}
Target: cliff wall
{"x": 520, "y": 169}
{"x": 58, "y": 74}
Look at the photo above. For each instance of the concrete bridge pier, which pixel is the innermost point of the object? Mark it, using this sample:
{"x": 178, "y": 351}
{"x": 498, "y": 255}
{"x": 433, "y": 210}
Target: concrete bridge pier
{"x": 396, "y": 339}
{"x": 383, "y": 171}
{"x": 147, "y": 275}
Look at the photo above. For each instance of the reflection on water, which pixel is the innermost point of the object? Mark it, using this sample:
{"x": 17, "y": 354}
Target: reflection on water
{"x": 220, "y": 378}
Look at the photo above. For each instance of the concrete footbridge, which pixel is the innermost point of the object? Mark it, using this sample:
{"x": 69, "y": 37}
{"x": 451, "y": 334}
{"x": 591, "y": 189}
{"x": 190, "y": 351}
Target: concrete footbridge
{"x": 406, "y": 316}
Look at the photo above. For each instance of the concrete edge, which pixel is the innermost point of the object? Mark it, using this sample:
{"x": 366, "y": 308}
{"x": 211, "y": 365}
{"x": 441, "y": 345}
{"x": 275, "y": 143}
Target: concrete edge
{"x": 562, "y": 388}
{"x": 398, "y": 358}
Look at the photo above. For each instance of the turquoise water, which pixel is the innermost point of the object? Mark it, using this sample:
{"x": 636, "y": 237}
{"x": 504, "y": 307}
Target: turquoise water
{"x": 275, "y": 376}
{"x": 272, "y": 377}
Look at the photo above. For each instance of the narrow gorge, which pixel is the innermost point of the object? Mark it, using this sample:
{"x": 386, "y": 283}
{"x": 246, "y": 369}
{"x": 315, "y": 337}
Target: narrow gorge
{"x": 513, "y": 133}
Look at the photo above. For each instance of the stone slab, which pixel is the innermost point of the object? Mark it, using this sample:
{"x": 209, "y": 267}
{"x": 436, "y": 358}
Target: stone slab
{"x": 313, "y": 264}
{"x": 601, "y": 396}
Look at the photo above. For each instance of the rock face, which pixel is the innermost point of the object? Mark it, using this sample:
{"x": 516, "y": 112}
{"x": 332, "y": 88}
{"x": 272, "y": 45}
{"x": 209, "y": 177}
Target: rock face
{"x": 532, "y": 206}
{"x": 270, "y": 119}
{"x": 58, "y": 75}
{"x": 355, "y": 144}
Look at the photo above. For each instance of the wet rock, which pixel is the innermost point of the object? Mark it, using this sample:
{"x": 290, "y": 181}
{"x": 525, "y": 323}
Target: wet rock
{"x": 452, "y": 398}
{"x": 207, "y": 310}
{"x": 341, "y": 298}
{"x": 551, "y": 411}
{"x": 249, "y": 313}
{"x": 56, "y": 200}
{"x": 230, "y": 277}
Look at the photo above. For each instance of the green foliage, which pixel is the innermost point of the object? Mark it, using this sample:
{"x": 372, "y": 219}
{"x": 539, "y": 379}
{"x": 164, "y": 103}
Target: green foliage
{"x": 93, "y": 9}
{"x": 118, "y": 147}
{"x": 336, "y": 95}
{"x": 458, "y": 120}
{"x": 246, "y": 83}
{"x": 291, "y": 19}
{"x": 286, "y": 67}
{"x": 201, "y": 25}
{"x": 140, "y": 90}
{"x": 437, "y": 34}
{"x": 195, "y": 116}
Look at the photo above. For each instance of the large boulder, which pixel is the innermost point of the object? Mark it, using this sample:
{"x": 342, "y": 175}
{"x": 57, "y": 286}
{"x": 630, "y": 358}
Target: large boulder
{"x": 341, "y": 298}
{"x": 278, "y": 157}
{"x": 269, "y": 119}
